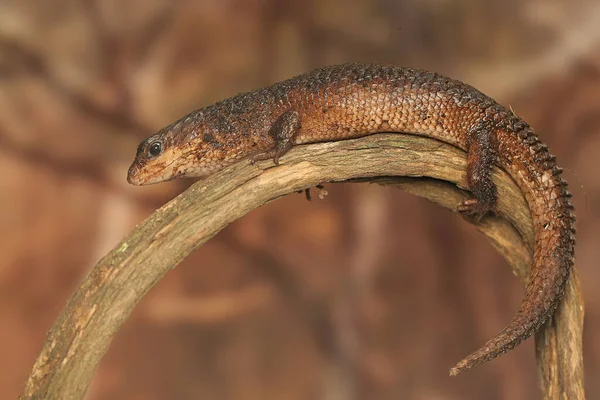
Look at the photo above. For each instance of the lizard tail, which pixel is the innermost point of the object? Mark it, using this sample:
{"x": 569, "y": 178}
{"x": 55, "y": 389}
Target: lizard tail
{"x": 554, "y": 223}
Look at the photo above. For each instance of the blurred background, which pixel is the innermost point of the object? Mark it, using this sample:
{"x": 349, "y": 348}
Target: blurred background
{"x": 367, "y": 294}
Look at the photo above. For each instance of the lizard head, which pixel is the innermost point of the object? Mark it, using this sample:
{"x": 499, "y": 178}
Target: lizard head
{"x": 184, "y": 149}
{"x": 156, "y": 161}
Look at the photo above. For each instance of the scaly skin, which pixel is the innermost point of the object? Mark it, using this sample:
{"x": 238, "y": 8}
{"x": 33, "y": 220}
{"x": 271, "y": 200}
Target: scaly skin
{"x": 353, "y": 100}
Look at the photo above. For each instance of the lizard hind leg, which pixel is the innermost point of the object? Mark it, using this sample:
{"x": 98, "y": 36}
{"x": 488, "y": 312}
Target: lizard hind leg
{"x": 481, "y": 157}
{"x": 283, "y": 132}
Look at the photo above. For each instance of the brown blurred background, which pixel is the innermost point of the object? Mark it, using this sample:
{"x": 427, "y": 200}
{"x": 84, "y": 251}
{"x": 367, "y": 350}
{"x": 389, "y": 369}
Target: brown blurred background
{"x": 367, "y": 294}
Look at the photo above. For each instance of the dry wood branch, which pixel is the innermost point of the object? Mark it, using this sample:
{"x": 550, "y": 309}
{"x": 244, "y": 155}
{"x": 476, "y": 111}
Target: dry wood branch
{"x": 105, "y": 299}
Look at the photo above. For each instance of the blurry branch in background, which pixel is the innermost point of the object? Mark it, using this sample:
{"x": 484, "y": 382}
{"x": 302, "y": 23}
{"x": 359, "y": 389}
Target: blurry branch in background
{"x": 218, "y": 308}
{"x": 102, "y": 303}
{"x": 575, "y": 41}
{"x": 119, "y": 57}
{"x": 116, "y": 64}
{"x": 21, "y": 57}
{"x": 91, "y": 171}
{"x": 32, "y": 61}
{"x": 36, "y": 156}
{"x": 25, "y": 59}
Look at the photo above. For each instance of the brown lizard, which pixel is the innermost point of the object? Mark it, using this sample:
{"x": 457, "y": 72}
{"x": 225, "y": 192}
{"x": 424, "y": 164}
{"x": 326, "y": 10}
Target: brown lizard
{"x": 354, "y": 100}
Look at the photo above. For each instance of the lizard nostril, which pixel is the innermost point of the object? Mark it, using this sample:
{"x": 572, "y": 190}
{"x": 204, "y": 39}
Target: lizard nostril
{"x": 131, "y": 174}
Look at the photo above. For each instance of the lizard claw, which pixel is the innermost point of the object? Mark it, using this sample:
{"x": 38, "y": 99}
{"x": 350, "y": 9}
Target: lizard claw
{"x": 319, "y": 187}
{"x": 269, "y": 155}
{"x": 265, "y": 155}
{"x": 474, "y": 208}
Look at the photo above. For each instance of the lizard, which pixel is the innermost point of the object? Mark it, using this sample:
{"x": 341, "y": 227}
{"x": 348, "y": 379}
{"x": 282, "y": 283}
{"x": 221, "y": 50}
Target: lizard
{"x": 353, "y": 100}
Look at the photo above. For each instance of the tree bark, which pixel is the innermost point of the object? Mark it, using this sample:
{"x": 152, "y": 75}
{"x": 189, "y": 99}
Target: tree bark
{"x": 421, "y": 166}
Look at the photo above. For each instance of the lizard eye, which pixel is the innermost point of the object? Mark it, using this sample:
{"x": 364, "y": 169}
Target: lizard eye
{"x": 155, "y": 149}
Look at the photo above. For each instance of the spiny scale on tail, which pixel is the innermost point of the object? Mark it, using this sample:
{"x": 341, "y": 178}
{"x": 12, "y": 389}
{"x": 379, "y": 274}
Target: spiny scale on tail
{"x": 554, "y": 223}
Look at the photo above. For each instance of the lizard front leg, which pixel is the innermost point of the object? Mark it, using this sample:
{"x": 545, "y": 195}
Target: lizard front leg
{"x": 482, "y": 150}
{"x": 283, "y": 132}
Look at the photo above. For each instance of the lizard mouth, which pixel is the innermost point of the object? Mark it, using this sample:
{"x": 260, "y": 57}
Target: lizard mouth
{"x": 149, "y": 174}
{"x": 155, "y": 172}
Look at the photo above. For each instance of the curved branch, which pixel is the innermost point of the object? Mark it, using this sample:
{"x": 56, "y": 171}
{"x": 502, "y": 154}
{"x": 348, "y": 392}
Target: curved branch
{"x": 102, "y": 303}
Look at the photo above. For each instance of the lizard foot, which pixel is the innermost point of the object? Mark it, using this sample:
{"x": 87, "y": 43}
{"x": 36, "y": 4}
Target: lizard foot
{"x": 474, "y": 208}
{"x": 283, "y": 132}
{"x": 266, "y": 155}
{"x": 273, "y": 154}
{"x": 321, "y": 190}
